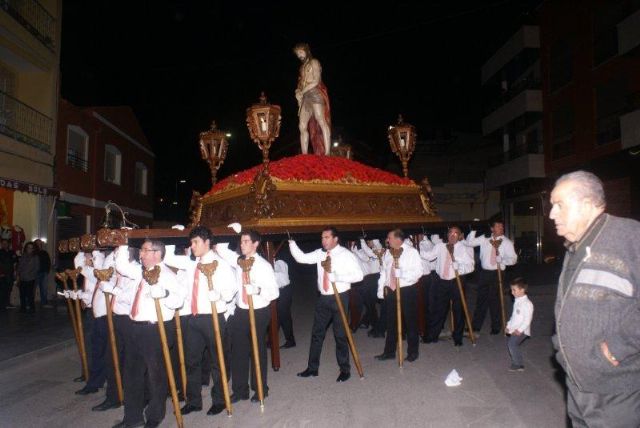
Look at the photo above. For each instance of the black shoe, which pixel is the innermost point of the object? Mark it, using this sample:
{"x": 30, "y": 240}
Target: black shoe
{"x": 123, "y": 425}
{"x": 494, "y": 332}
{"x": 288, "y": 344}
{"x": 430, "y": 340}
{"x": 106, "y": 405}
{"x": 188, "y": 408}
{"x": 79, "y": 379}
{"x": 255, "y": 399}
{"x": 354, "y": 329}
{"x": 86, "y": 391}
{"x": 411, "y": 357}
{"x": 151, "y": 424}
{"x": 385, "y": 356}
{"x": 308, "y": 372}
{"x": 457, "y": 343}
{"x": 215, "y": 409}
{"x": 343, "y": 377}
{"x": 235, "y": 397}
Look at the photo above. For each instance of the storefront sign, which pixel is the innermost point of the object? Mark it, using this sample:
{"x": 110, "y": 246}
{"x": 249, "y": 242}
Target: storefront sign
{"x": 21, "y": 186}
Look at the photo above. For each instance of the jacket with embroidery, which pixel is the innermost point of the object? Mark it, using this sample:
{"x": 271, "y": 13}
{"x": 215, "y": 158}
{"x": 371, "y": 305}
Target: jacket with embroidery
{"x": 598, "y": 302}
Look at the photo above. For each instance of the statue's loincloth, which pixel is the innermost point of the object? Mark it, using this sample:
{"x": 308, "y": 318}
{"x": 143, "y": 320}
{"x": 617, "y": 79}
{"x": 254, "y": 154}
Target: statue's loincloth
{"x": 311, "y": 97}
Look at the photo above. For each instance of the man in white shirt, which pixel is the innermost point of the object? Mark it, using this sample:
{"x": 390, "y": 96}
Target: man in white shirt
{"x": 145, "y": 353}
{"x": 369, "y": 287}
{"x": 122, "y": 291}
{"x": 281, "y": 270}
{"x": 199, "y": 335}
{"x": 259, "y": 282}
{"x": 445, "y": 289}
{"x": 406, "y": 275}
{"x": 345, "y": 270}
{"x": 429, "y": 276}
{"x": 88, "y": 294}
{"x": 487, "y": 277}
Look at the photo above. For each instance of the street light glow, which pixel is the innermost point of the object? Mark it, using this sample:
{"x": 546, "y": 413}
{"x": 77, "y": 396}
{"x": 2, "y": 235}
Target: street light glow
{"x": 183, "y": 181}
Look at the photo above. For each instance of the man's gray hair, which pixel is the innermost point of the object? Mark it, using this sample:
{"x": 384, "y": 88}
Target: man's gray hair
{"x": 586, "y": 186}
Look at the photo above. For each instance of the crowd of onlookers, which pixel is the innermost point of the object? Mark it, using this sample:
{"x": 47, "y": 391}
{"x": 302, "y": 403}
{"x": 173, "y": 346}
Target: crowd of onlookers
{"x": 28, "y": 270}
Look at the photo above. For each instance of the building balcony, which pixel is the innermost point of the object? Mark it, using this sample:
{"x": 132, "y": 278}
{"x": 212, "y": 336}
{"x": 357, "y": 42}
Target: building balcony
{"x": 630, "y": 129}
{"x": 629, "y": 34}
{"x": 515, "y": 165}
{"x": 528, "y": 101}
{"x": 34, "y": 18}
{"x": 24, "y": 124}
{"x": 528, "y": 37}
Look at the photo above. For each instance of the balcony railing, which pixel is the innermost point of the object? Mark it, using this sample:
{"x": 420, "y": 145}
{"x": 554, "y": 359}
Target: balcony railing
{"x": 35, "y": 18}
{"x": 506, "y": 96}
{"x": 75, "y": 161}
{"x": 22, "y": 123}
{"x": 518, "y": 151}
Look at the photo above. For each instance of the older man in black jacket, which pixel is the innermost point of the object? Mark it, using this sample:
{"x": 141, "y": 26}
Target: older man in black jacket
{"x": 598, "y": 305}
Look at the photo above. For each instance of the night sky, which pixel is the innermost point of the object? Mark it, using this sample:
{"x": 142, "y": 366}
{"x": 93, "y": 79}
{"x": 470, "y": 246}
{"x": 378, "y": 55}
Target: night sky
{"x": 181, "y": 64}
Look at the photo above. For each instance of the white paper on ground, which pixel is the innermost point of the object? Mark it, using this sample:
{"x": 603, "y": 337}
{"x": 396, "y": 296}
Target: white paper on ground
{"x": 453, "y": 379}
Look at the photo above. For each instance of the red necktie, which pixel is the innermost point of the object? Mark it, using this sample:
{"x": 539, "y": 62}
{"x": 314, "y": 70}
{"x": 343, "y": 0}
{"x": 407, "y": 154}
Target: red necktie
{"x": 113, "y": 296}
{"x": 194, "y": 292}
{"x": 325, "y": 278}
{"x": 392, "y": 278}
{"x": 493, "y": 256}
{"x": 447, "y": 266}
{"x": 136, "y": 301}
{"x": 95, "y": 290}
{"x": 245, "y": 280}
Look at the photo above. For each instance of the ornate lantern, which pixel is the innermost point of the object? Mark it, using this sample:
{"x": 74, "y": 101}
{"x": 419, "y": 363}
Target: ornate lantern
{"x": 213, "y": 148}
{"x": 263, "y": 121}
{"x": 402, "y": 138}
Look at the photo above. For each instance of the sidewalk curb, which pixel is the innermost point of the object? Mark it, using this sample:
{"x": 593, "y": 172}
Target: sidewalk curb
{"x": 36, "y": 355}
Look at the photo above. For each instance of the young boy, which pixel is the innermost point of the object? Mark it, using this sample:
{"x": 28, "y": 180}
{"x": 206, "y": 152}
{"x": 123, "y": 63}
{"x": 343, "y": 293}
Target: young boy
{"x": 519, "y": 326}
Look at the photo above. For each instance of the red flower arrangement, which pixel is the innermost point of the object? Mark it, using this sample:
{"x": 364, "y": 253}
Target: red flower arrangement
{"x": 317, "y": 169}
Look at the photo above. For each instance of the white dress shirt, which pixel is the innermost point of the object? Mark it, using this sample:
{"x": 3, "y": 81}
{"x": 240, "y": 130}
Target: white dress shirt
{"x": 146, "y": 307}
{"x": 223, "y": 280}
{"x": 260, "y": 275}
{"x": 344, "y": 266}
{"x": 409, "y": 264}
{"x": 521, "y": 316}
{"x": 425, "y": 246}
{"x": 373, "y": 263}
{"x": 506, "y": 250}
{"x": 92, "y": 297}
{"x": 281, "y": 269}
{"x": 128, "y": 288}
{"x": 444, "y": 262}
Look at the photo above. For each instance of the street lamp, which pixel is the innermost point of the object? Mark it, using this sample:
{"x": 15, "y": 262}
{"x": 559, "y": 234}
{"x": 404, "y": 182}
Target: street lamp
{"x": 263, "y": 122}
{"x": 402, "y": 138}
{"x": 213, "y": 148}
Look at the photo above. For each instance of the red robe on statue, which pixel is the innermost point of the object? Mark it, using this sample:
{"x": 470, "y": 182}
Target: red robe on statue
{"x": 315, "y": 132}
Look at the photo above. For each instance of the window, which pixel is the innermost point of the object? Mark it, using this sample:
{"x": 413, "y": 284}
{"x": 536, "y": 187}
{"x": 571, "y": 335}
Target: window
{"x": 610, "y": 103}
{"x": 560, "y": 67}
{"x": 77, "y": 148}
{"x": 141, "y": 179}
{"x": 112, "y": 164}
{"x": 606, "y": 16}
{"x": 563, "y": 124}
{"x": 7, "y": 80}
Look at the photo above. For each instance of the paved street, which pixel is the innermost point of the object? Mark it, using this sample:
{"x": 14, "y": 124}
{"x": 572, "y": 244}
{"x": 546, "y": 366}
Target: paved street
{"x": 37, "y": 389}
